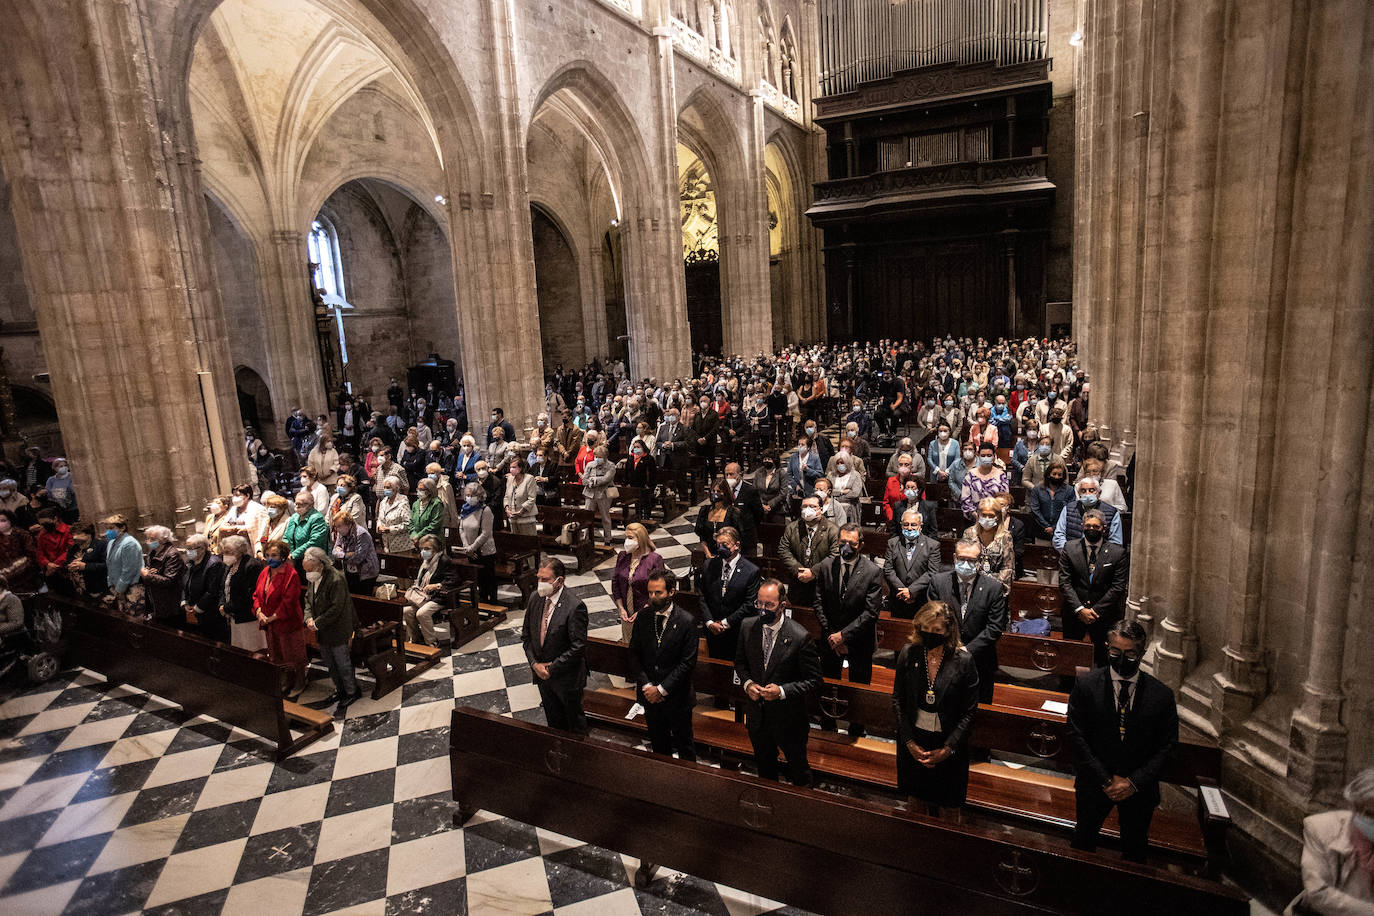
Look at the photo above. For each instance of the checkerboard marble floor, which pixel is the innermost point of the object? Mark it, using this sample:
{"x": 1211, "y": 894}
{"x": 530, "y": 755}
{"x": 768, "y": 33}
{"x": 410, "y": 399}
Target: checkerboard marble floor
{"x": 114, "y": 801}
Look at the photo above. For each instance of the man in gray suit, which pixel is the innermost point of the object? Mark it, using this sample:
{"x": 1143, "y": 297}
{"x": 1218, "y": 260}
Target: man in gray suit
{"x": 555, "y": 640}
{"x": 913, "y": 560}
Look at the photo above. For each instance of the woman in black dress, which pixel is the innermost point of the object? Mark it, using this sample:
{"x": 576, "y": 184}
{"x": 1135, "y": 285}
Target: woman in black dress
{"x": 934, "y": 695}
{"x": 722, "y": 513}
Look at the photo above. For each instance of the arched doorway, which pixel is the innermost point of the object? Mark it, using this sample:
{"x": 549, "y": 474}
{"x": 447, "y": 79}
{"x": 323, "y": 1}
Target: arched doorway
{"x": 255, "y": 404}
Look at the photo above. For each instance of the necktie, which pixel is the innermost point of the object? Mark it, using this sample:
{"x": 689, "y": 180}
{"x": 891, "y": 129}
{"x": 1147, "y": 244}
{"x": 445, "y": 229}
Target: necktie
{"x": 769, "y": 634}
{"x": 659, "y": 621}
{"x": 1123, "y": 703}
{"x": 844, "y": 579}
{"x": 548, "y": 612}
{"x": 1092, "y": 560}
{"x": 725, "y": 573}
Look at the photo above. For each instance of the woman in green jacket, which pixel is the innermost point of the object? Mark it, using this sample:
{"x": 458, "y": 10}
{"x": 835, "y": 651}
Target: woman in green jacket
{"x": 427, "y": 514}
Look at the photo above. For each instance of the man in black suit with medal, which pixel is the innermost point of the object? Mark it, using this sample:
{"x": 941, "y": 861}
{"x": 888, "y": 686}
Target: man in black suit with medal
{"x": 1094, "y": 574}
{"x": 663, "y": 655}
{"x": 779, "y": 666}
{"x": 1123, "y": 728}
{"x": 980, "y": 604}
{"x": 555, "y": 640}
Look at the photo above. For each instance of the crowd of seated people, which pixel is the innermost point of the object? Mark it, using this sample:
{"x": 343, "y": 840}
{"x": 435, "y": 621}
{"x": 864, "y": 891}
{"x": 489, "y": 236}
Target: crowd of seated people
{"x": 797, "y": 455}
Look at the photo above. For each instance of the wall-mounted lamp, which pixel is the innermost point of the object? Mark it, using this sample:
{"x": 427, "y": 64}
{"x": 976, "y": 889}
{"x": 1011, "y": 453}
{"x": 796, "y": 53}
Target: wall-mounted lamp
{"x": 441, "y": 200}
{"x": 1076, "y": 39}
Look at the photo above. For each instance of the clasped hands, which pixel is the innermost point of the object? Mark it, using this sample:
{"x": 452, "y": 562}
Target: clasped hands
{"x": 768, "y": 692}
{"x": 926, "y": 758}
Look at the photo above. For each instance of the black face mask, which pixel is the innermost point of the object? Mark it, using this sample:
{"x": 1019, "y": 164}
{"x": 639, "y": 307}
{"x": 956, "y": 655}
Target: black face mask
{"x": 724, "y": 552}
{"x": 766, "y": 615}
{"x": 847, "y": 551}
{"x": 658, "y": 604}
{"x": 1126, "y": 667}
{"x": 931, "y": 640}
{"x": 1092, "y": 537}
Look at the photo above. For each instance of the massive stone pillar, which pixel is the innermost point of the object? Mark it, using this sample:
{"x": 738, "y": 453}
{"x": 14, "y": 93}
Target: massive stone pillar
{"x": 96, "y": 183}
{"x": 745, "y": 303}
{"x": 296, "y": 377}
{"x": 1225, "y": 294}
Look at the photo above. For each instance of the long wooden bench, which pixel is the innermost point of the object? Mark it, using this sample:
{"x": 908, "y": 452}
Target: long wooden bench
{"x": 812, "y": 849}
{"x": 517, "y": 558}
{"x": 1014, "y": 723}
{"x": 202, "y": 676}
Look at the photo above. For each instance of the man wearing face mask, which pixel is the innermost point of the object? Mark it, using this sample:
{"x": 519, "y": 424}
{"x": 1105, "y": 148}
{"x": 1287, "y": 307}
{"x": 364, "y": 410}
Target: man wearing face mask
{"x": 804, "y": 468}
{"x": 821, "y": 445}
{"x": 670, "y": 441}
{"x": 329, "y": 613}
{"x": 1038, "y": 462}
{"x": 849, "y": 595}
{"x": 806, "y": 541}
{"x": 727, "y": 586}
{"x": 750, "y": 505}
{"x": 663, "y": 655}
{"x": 912, "y": 563}
{"x": 703, "y": 435}
{"x": 555, "y": 641}
{"x": 1123, "y": 728}
{"x": 1069, "y": 526}
{"x": 1093, "y": 577}
{"x": 980, "y": 605}
{"x": 499, "y": 421}
{"x": 779, "y": 666}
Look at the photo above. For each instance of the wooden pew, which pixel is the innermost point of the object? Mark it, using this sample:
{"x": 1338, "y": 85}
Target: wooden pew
{"x": 202, "y": 676}
{"x": 1014, "y": 723}
{"x": 467, "y": 619}
{"x": 764, "y": 837}
{"x": 517, "y": 557}
{"x": 385, "y": 652}
{"x": 583, "y": 549}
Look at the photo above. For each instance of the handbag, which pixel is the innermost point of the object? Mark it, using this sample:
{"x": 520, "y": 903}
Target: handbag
{"x": 416, "y": 596}
{"x": 613, "y": 492}
{"x": 386, "y": 592}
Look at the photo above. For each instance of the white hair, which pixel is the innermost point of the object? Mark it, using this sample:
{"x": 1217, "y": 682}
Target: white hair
{"x": 197, "y": 540}
{"x": 1360, "y": 790}
{"x": 1092, "y": 480}
{"x": 315, "y": 555}
{"x": 158, "y": 532}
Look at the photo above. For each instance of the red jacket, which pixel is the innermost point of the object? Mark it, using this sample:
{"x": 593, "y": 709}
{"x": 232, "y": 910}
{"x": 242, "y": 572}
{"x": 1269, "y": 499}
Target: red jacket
{"x": 893, "y": 494}
{"x": 54, "y": 545}
{"x": 280, "y": 596}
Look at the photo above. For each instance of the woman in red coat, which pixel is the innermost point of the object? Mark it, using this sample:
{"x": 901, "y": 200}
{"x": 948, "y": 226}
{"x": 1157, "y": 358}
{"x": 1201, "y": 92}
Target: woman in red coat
{"x": 277, "y": 602}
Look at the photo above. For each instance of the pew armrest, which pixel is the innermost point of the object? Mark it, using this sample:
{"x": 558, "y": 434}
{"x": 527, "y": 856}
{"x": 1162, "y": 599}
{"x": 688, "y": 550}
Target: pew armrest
{"x": 1215, "y": 820}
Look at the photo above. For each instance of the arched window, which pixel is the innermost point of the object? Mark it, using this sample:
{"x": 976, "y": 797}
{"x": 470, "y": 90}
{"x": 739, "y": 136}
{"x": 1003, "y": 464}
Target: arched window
{"x": 323, "y": 244}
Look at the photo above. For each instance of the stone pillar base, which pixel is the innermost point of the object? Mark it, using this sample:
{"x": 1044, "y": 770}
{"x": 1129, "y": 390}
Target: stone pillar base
{"x": 1237, "y": 688}
{"x": 1175, "y": 654}
{"x": 1317, "y": 747}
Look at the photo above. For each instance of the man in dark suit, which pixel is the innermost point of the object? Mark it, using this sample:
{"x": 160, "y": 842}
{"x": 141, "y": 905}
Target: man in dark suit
{"x": 555, "y": 638}
{"x": 728, "y": 585}
{"x": 913, "y": 562}
{"x": 663, "y": 655}
{"x": 1123, "y": 727}
{"x": 980, "y": 603}
{"x": 750, "y": 506}
{"x": 671, "y": 441}
{"x": 849, "y": 595}
{"x": 805, "y": 543}
{"x": 779, "y": 666}
{"x": 1093, "y": 576}
{"x": 703, "y": 435}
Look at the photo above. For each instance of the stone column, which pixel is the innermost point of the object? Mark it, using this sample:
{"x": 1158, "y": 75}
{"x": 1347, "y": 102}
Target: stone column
{"x": 296, "y": 376}
{"x": 107, "y": 261}
{"x": 745, "y": 303}
{"x": 655, "y": 283}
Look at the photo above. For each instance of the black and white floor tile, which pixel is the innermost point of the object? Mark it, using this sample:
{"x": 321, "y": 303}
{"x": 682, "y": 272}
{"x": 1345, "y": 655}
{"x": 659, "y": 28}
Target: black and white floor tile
{"x": 113, "y": 801}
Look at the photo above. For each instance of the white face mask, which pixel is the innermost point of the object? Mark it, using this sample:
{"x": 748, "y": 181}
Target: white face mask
{"x": 545, "y": 589}
{"x": 630, "y": 545}
{"x": 944, "y": 436}
{"x": 968, "y": 456}
{"x": 315, "y": 575}
{"x": 239, "y": 501}
{"x": 809, "y": 513}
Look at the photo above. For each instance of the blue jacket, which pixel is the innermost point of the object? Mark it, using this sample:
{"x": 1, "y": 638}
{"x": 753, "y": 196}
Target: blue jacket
{"x": 123, "y": 563}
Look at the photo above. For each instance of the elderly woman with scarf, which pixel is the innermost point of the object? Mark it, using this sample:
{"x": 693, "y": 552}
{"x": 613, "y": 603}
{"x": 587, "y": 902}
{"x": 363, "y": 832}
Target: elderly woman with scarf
{"x": 475, "y": 539}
